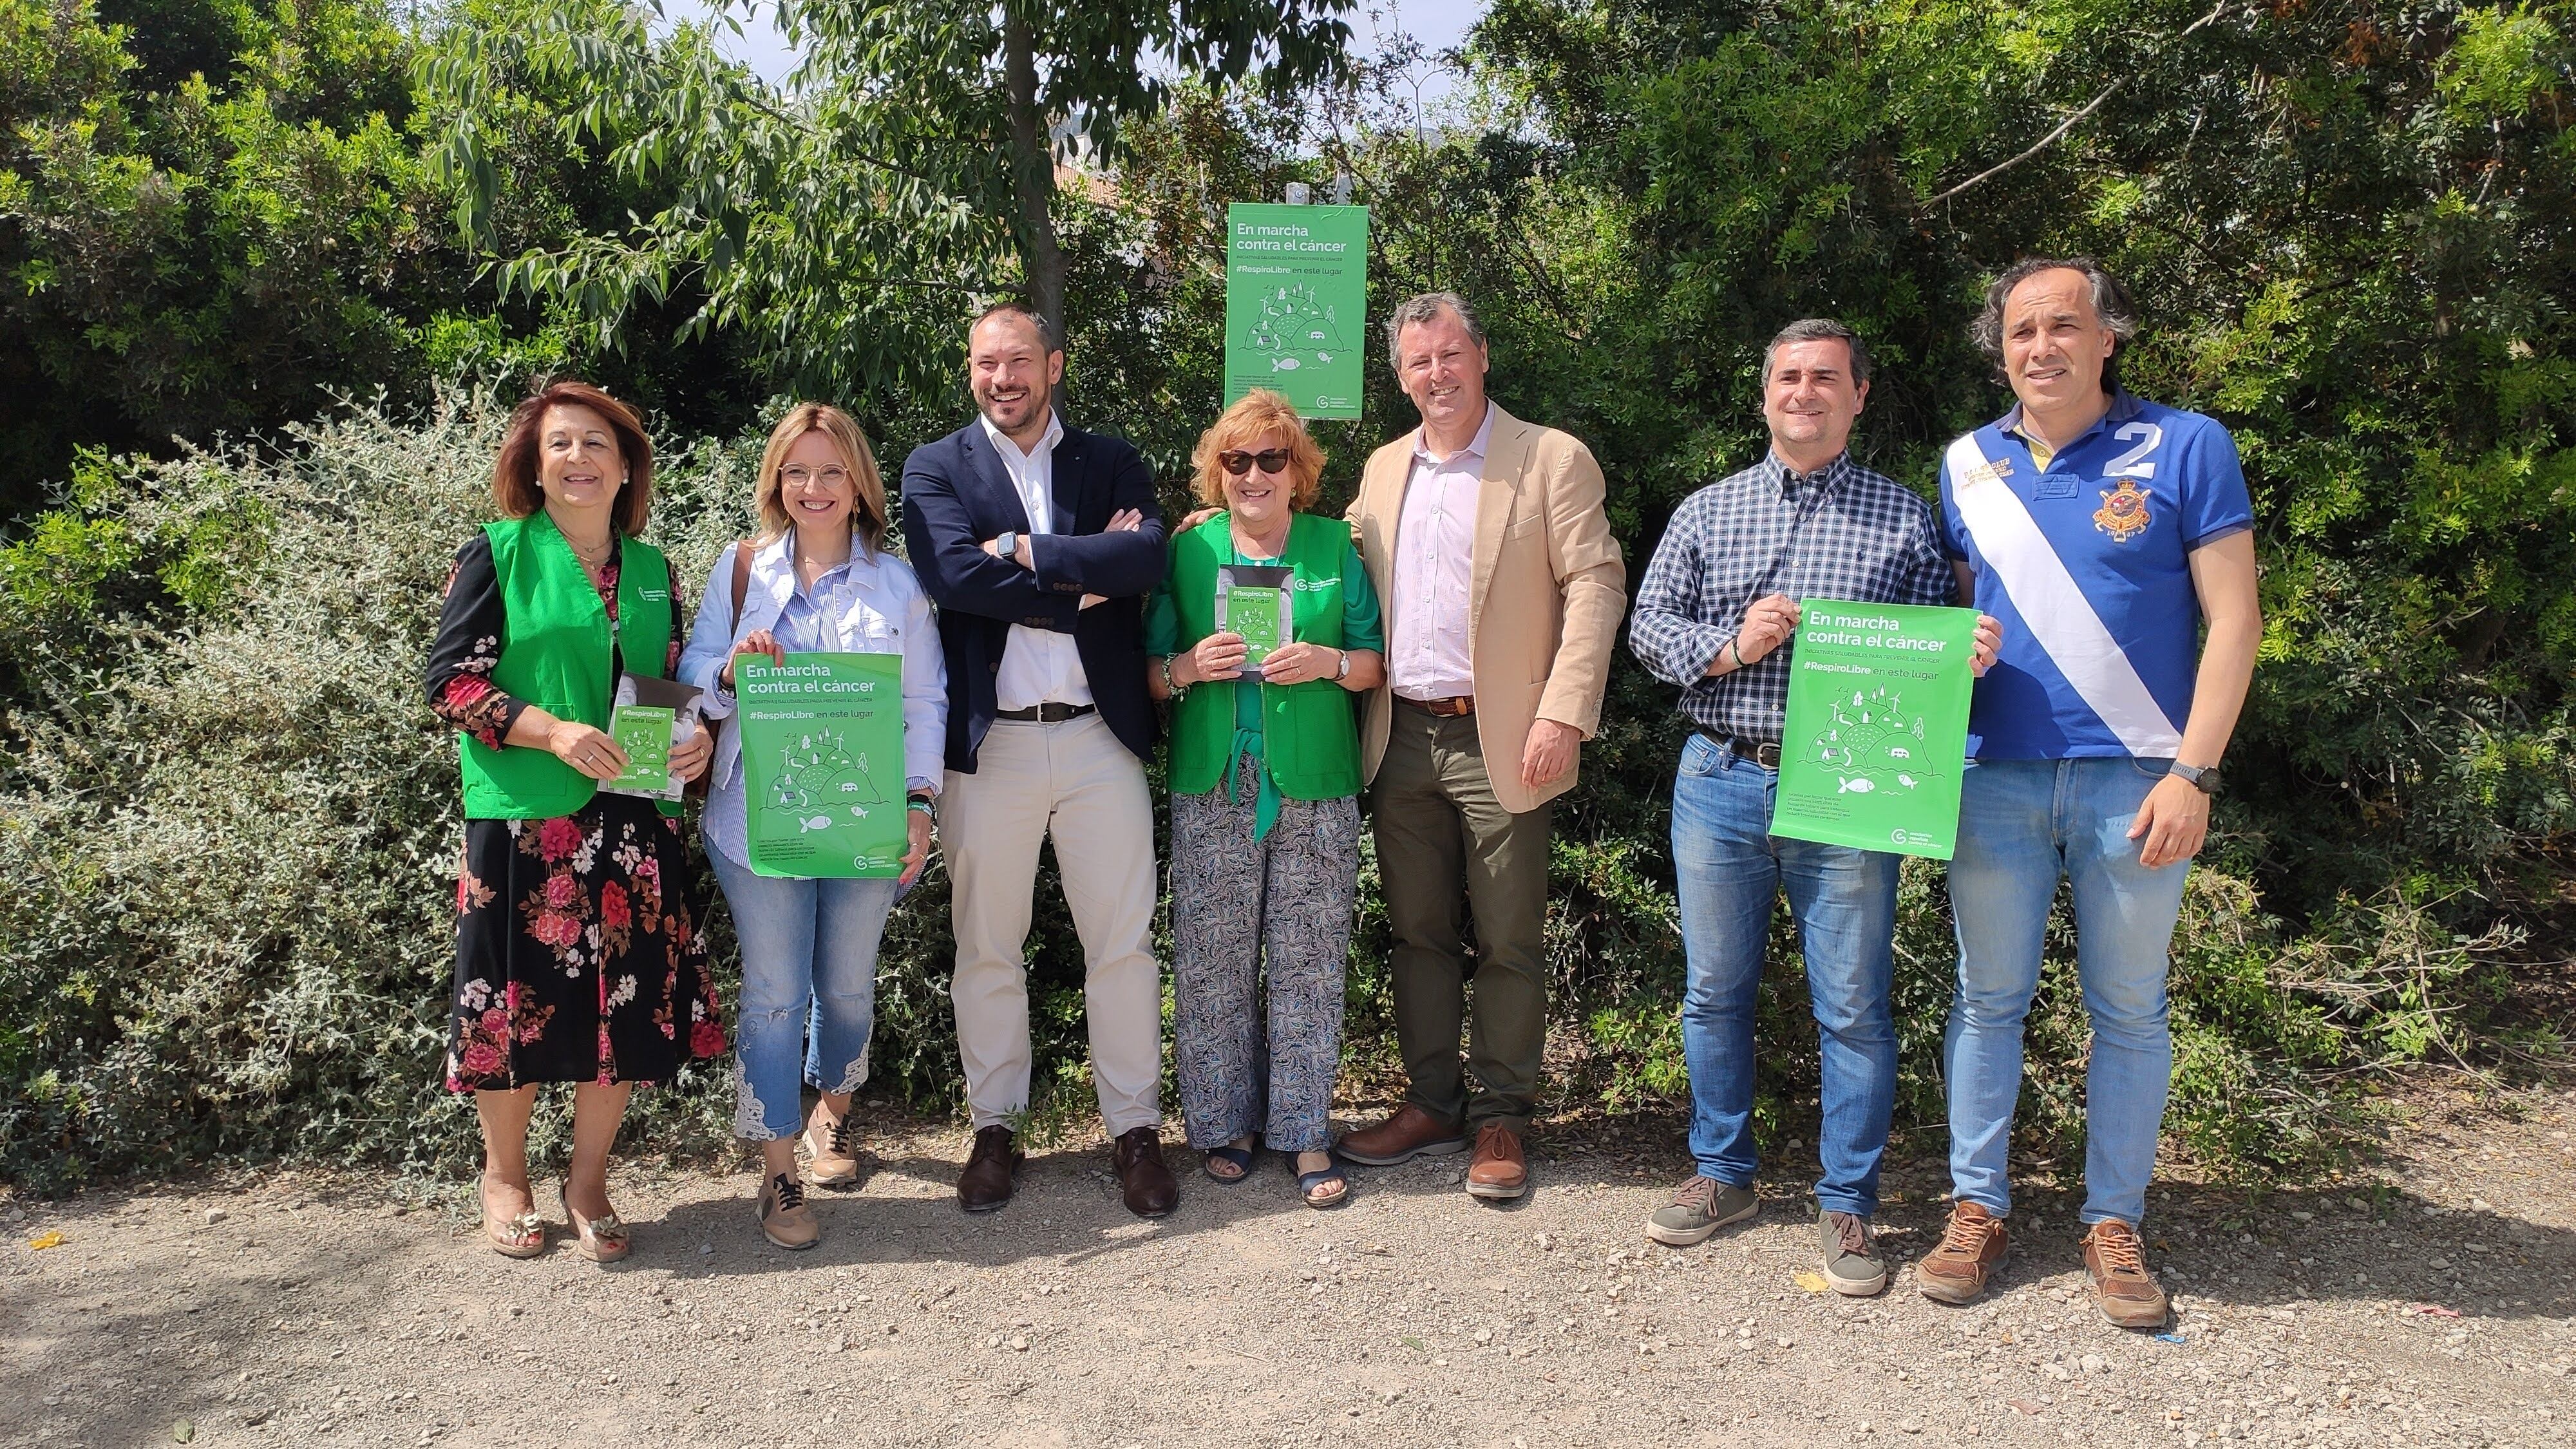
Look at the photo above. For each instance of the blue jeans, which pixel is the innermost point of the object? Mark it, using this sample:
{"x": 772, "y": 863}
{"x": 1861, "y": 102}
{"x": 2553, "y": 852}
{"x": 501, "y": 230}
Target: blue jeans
{"x": 2023, "y": 824}
{"x": 809, "y": 989}
{"x": 1730, "y": 869}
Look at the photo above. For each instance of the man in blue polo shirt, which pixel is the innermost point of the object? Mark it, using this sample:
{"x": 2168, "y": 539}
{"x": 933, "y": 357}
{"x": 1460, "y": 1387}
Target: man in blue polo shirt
{"x": 2103, "y": 530}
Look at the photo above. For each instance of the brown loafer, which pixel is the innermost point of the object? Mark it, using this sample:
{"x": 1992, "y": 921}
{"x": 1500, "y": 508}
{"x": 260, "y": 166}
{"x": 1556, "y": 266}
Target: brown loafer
{"x": 2129, "y": 1294}
{"x": 985, "y": 1184}
{"x": 1150, "y": 1187}
{"x": 1409, "y": 1134}
{"x": 1499, "y": 1172}
{"x": 1971, "y": 1249}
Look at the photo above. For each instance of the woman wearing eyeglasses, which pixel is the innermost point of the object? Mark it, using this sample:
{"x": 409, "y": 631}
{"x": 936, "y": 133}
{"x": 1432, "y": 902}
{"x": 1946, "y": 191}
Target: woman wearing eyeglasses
{"x": 817, "y": 580}
{"x": 1265, "y": 777}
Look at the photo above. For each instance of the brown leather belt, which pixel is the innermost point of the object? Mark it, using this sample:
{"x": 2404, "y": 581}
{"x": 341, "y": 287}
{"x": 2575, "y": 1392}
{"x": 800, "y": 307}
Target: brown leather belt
{"x": 1453, "y": 707}
{"x": 1049, "y": 713}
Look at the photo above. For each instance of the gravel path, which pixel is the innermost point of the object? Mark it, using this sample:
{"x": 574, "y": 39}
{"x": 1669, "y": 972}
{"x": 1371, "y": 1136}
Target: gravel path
{"x": 290, "y": 1310}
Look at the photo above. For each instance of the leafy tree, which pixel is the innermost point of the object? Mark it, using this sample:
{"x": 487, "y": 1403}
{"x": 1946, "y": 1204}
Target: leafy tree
{"x": 206, "y": 218}
{"x": 911, "y": 167}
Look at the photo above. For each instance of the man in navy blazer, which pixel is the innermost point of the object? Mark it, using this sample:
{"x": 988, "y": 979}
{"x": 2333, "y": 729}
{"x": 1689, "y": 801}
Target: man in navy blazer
{"x": 1039, "y": 542}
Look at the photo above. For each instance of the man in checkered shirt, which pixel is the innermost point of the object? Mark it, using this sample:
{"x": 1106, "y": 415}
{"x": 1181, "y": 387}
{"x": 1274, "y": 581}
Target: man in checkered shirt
{"x": 1717, "y": 615}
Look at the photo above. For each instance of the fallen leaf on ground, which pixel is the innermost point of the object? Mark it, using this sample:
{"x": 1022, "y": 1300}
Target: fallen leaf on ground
{"x": 2023, "y": 1406}
{"x": 1812, "y": 1282}
{"x": 44, "y": 1240}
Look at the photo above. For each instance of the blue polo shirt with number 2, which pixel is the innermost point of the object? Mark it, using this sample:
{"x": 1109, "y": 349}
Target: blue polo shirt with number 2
{"x": 2123, "y": 507}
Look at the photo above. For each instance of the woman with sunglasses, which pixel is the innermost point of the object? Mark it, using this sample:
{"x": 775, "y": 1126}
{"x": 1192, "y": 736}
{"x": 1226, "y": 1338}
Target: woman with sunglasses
{"x": 1265, "y": 777}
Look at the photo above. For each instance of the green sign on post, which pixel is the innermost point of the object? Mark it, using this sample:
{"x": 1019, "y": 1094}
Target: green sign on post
{"x": 822, "y": 760}
{"x": 1876, "y": 736}
{"x": 1296, "y": 305}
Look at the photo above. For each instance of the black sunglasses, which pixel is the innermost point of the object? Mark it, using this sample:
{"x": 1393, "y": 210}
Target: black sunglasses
{"x": 1237, "y": 462}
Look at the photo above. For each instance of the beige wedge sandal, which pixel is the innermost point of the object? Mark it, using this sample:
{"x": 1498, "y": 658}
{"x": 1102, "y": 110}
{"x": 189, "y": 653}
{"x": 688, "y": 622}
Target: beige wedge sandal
{"x": 602, "y": 1239}
{"x": 523, "y": 1236}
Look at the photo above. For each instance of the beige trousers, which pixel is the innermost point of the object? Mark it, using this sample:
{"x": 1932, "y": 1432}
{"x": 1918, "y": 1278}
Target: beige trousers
{"x": 1073, "y": 781}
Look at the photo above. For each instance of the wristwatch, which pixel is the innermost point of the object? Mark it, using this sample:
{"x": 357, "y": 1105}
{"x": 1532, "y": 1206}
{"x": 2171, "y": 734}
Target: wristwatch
{"x": 922, "y": 803}
{"x": 2203, "y": 778}
{"x": 1007, "y": 545}
{"x": 1343, "y": 671}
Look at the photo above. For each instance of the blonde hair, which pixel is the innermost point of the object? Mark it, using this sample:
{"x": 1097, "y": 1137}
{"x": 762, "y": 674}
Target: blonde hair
{"x": 1254, "y": 416}
{"x": 867, "y": 485}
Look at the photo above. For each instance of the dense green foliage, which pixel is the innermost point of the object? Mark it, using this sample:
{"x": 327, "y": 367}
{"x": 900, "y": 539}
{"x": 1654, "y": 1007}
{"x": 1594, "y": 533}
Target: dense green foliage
{"x": 2351, "y": 227}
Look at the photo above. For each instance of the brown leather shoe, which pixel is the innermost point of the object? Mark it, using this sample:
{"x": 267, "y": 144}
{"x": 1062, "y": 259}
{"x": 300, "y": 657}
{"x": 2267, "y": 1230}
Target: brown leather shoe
{"x": 1151, "y": 1190}
{"x": 1409, "y": 1134}
{"x": 986, "y": 1182}
{"x": 1498, "y": 1172}
{"x": 1970, "y": 1251}
{"x": 2128, "y": 1293}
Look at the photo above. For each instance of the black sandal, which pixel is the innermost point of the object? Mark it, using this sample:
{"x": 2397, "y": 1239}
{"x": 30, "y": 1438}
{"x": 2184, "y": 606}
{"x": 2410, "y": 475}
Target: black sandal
{"x": 1307, "y": 1182}
{"x": 1241, "y": 1157}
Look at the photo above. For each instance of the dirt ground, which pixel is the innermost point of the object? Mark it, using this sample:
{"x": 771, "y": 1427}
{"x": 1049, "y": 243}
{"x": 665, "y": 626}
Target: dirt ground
{"x": 293, "y": 1310}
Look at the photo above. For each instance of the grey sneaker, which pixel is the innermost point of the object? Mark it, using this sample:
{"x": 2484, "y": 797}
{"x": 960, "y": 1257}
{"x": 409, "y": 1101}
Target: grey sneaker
{"x": 1699, "y": 1208}
{"x": 1852, "y": 1263}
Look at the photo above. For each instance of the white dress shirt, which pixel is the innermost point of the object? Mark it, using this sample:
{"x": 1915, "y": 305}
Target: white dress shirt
{"x": 1435, "y": 553}
{"x": 1039, "y": 666}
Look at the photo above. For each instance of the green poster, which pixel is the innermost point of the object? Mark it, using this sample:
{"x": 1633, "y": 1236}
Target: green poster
{"x": 644, "y": 733}
{"x": 1876, "y": 736}
{"x": 1296, "y": 304}
{"x": 822, "y": 759}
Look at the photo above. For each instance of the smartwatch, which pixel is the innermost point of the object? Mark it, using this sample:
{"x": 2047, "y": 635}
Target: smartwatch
{"x": 2203, "y": 778}
{"x": 1007, "y": 545}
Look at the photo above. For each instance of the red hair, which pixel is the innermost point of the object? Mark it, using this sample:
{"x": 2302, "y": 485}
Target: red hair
{"x": 514, "y": 472}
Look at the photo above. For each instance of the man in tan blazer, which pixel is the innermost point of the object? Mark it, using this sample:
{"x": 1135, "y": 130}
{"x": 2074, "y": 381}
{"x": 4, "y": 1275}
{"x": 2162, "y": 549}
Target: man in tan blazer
{"x": 1491, "y": 553}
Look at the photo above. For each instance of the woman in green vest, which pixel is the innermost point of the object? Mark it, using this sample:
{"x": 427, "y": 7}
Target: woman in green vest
{"x": 577, "y": 951}
{"x": 1265, "y": 777}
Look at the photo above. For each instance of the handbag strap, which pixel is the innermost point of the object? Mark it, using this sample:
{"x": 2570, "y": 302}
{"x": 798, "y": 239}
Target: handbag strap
{"x": 741, "y": 577}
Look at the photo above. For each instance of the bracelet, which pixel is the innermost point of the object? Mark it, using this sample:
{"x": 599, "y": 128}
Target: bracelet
{"x": 1171, "y": 686}
{"x": 922, "y": 804}
{"x": 1739, "y": 654}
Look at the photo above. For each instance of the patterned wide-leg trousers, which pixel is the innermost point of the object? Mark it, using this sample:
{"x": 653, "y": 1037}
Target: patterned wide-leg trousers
{"x": 1238, "y": 904}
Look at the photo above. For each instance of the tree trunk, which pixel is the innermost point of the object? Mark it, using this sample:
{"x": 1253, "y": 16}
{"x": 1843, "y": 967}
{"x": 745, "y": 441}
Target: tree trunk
{"x": 1032, "y": 172}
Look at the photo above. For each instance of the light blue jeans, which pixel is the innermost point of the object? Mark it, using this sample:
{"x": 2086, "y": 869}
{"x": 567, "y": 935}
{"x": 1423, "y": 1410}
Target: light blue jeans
{"x": 2023, "y": 825}
{"x": 809, "y": 989}
{"x": 1730, "y": 870}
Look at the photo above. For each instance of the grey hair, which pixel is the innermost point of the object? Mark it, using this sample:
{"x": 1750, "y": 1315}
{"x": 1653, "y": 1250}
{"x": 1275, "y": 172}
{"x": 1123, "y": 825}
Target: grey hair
{"x": 1427, "y": 307}
{"x": 1819, "y": 329}
{"x": 2110, "y": 303}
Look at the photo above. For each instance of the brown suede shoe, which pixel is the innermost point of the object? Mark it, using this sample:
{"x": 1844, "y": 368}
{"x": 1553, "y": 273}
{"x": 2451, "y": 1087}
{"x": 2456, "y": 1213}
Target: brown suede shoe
{"x": 986, "y": 1182}
{"x": 831, "y": 1147}
{"x": 2128, "y": 1293}
{"x": 1971, "y": 1249}
{"x": 1150, "y": 1188}
{"x": 1499, "y": 1172}
{"x": 1409, "y": 1134}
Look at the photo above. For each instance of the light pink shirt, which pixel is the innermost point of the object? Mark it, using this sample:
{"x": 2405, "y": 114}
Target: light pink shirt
{"x": 1435, "y": 553}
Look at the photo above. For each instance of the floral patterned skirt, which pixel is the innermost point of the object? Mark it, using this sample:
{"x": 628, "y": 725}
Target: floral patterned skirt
{"x": 578, "y": 958}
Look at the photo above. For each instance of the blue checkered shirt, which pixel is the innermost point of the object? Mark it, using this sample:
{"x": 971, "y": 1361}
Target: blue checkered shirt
{"x": 1841, "y": 532}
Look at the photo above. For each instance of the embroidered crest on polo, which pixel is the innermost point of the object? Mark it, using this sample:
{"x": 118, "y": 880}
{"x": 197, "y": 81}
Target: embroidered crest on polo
{"x": 2123, "y": 511}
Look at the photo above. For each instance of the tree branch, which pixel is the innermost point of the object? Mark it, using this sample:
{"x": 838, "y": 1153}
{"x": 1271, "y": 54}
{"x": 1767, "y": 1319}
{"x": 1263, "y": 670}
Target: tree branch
{"x": 2053, "y": 137}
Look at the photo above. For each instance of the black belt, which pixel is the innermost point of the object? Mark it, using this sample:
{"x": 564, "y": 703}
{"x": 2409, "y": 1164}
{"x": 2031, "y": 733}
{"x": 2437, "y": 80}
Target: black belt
{"x": 1765, "y": 755}
{"x": 1049, "y": 713}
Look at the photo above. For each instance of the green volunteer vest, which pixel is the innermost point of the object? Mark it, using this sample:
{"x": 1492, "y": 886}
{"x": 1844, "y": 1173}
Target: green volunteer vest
{"x": 1308, "y": 734}
{"x": 556, "y": 653}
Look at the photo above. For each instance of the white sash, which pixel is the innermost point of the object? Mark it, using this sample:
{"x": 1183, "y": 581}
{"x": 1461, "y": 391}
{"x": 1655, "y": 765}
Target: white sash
{"x": 2053, "y": 607}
